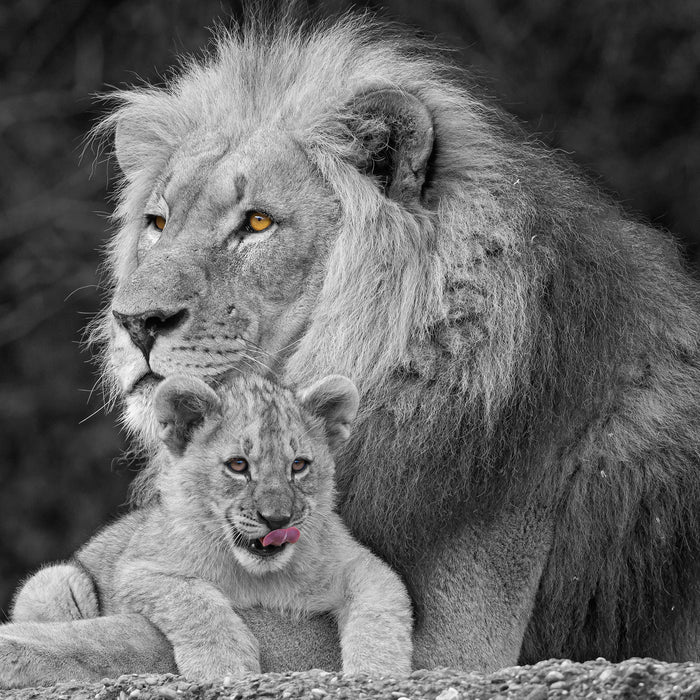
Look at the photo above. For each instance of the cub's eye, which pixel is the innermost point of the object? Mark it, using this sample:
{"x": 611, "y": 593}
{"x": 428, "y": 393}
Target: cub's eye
{"x": 237, "y": 464}
{"x": 258, "y": 221}
{"x": 156, "y": 220}
{"x": 299, "y": 465}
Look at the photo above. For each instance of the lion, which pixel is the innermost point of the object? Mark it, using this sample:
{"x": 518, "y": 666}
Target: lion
{"x": 244, "y": 519}
{"x": 331, "y": 198}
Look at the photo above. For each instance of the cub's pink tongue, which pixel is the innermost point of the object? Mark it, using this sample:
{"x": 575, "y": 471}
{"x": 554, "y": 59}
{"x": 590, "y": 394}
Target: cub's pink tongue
{"x": 279, "y": 537}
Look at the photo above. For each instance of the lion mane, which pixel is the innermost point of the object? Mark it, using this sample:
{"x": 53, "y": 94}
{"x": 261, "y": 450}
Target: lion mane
{"x": 520, "y": 345}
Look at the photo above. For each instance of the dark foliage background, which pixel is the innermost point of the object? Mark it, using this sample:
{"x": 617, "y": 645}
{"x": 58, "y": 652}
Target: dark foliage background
{"x": 615, "y": 82}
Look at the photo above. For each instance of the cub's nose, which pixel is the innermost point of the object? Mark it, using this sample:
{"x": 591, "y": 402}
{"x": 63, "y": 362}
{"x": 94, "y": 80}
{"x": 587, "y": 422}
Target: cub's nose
{"x": 275, "y": 521}
{"x": 145, "y": 327}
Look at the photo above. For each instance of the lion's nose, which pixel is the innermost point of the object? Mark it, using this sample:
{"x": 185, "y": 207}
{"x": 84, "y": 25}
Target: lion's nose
{"x": 275, "y": 521}
{"x": 144, "y": 328}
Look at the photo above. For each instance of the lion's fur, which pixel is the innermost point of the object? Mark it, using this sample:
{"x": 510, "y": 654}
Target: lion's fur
{"x": 516, "y": 340}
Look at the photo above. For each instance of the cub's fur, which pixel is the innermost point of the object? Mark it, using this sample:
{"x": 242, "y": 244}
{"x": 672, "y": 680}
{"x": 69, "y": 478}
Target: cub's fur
{"x": 242, "y": 463}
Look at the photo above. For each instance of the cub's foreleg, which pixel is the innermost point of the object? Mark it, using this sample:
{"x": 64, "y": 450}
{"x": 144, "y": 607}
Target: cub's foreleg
{"x": 375, "y": 620}
{"x": 56, "y": 593}
{"x": 209, "y": 639}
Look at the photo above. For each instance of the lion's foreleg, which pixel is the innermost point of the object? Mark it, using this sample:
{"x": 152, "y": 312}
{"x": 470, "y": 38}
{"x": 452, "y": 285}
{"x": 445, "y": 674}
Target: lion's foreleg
{"x": 42, "y": 653}
{"x": 475, "y": 591}
{"x": 56, "y": 593}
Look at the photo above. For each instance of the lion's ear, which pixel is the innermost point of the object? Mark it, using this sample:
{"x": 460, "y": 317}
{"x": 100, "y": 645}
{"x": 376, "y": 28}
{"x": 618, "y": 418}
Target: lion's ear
{"x": 335, "y": 399}
{"x": 143, "y": 139}
{"x": 394, "y": 132}
{"x": 182, "y": 404}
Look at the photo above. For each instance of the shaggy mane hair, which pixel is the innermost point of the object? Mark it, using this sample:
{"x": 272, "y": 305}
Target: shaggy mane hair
{"x": 515, "y": 339}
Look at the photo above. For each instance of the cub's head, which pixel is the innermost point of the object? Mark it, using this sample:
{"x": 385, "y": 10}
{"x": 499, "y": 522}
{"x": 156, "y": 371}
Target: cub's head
{"x": 253, "y": 463}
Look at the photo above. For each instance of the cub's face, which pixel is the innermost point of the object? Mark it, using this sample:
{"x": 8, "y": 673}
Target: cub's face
{"x": 253, "y": 466}
{"x": 262, "y": 469}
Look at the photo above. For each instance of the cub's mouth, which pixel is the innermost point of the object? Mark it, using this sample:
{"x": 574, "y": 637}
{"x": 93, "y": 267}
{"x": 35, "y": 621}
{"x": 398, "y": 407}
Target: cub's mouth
{"x": 271, "y": 544}
{"x": 261, "y": 550}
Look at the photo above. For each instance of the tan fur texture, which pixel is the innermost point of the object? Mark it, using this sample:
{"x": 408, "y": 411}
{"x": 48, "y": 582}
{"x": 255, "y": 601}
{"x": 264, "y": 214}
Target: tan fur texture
{"x": 528, "y": 448}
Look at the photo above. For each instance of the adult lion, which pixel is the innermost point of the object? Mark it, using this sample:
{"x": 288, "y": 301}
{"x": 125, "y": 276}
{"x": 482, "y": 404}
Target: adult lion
{"x": 332, "y": 200}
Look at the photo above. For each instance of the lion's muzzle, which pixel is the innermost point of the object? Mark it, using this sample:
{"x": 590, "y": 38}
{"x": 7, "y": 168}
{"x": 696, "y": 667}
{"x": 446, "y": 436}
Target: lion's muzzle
{"x": 143, "y": 328}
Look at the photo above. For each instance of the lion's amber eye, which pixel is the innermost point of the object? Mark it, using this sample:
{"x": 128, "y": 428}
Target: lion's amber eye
{"x": 258, "y": 221}
{"x": 237, "y": 464}
{"x": 159, "y": 222}
{"x": 299, "y": 465}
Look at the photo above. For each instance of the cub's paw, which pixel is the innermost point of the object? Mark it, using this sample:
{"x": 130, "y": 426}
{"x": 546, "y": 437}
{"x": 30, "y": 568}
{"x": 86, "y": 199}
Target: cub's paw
{"x": 390, "y": 659}
{"x": 209, "y": 663}
{"x": 388, "y": 667}
{"x": 56, "y": 593}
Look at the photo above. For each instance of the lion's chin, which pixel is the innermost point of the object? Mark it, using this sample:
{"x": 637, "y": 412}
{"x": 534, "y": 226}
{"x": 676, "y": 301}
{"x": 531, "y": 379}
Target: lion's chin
{"x": 147, "y": 383}
{"x": 139, "y": 417}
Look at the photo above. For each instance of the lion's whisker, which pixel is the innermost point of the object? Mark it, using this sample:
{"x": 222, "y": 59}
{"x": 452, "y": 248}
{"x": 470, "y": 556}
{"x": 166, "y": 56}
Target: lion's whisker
{"x": 104, "y": 407}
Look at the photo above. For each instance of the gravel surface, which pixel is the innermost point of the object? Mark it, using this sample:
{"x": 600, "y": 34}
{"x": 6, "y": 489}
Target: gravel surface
{"x": 635, "y": 678}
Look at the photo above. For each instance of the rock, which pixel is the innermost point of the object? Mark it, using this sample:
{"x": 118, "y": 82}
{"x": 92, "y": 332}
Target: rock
{"x": 553, "y": 677}
{"x": 605, "y": 675}
{"x": 448, "y": 694}
{"x": 589, "y": 680}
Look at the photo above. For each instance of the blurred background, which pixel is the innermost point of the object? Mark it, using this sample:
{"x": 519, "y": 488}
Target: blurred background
{"x": 613, "y": 82}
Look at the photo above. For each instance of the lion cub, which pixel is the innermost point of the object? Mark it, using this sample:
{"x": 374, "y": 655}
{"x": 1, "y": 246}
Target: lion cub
{"x": 246, "y": 518}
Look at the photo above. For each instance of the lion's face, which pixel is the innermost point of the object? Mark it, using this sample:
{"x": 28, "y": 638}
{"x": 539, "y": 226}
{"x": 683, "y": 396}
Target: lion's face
{"x": 202, "y": 291}
{"x": 266, "y": 217}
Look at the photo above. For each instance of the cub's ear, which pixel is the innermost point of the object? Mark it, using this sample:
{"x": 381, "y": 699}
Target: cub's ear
{"x": 394, "y": 132}
{"x": 181, "y": 404}
{"x": 335, "y": 399}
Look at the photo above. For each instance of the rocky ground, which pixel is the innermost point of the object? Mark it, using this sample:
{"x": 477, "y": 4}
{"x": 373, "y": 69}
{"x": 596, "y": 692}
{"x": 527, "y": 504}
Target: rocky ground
{"x": 635, "y": 678}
